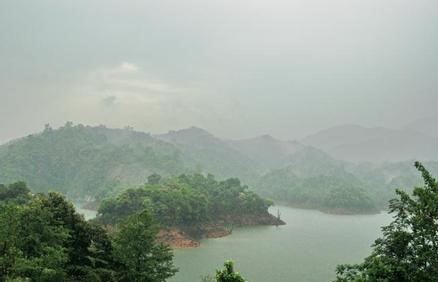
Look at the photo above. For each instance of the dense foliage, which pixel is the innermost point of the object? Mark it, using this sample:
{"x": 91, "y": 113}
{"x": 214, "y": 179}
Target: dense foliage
{"x": 329, "y": 193}
{"x": 228, "y": 274}
{"x": 97, "y": 162}
{"x": 42, "y": 238}
{"x": 408, "y": 250}
{"x": 185, "y": 200}
{"x": 86, "y": 161}
{"x": 17, "y": 193}
{"x": 314, "y": 180}
{"x": 225, "y": 275}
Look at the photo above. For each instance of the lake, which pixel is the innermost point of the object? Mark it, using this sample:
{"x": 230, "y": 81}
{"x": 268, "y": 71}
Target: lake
{"x": 307, "y": 249}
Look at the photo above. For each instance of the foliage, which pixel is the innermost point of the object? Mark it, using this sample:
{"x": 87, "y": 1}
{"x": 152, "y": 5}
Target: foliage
{"x": 225, "y": 275}
{"x": 44, "y": 239}
{"x": 16, "y": 193}
{"x": 185, "y": 200}
{"x": 86, "y": 161}
{"x": 228, "y": 274}
{"x": 139, "y": 256}
{"x": 340, "y": 192}
{"x": 408, "y": 250}
{"x": 154, "y": 178}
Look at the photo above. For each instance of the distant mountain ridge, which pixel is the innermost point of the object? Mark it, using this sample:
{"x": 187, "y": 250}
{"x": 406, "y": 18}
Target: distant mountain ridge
{"x": 203, "y": 151}
{"x": 267, "y": 151}
{"x": 427, "y": 126}
{"x": 85, "y": 161}
{"x": 362, "y": 144}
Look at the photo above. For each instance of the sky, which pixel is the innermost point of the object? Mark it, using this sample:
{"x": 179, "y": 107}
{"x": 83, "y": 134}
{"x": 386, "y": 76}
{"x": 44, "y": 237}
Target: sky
{"x": 237, "y": 68}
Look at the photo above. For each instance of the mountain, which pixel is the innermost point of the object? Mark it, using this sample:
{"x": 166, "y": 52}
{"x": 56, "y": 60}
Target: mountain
{"x": 426, "y": 126}
{"x": 313, "y": 179}
{"x": 205, "y": 152}
{"x": 96, "y": 162}
{"x": 267, "y": 151}
{"x": 358, "y": 144}
{"x": 86, "y": 161}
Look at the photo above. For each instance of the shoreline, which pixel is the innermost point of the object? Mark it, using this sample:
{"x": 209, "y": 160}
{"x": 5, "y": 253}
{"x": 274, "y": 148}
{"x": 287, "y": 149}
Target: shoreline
{"x": 183, "y": 237}
{"x": 333, "y": 211}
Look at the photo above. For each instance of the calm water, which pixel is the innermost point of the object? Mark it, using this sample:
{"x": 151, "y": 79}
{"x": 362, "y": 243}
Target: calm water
{"x": 307, "y": 249}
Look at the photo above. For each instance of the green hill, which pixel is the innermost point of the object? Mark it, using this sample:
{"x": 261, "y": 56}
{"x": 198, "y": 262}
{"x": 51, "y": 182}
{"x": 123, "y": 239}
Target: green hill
{"x": 86, "y": 162}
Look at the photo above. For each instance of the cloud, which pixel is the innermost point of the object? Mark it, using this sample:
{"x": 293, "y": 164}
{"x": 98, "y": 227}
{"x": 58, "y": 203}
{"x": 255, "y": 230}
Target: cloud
{"x": 127, "y": 94}
{"x": 109, "y": 101}
{"x": 128, "y": 77}
{"x": 127, "y": 67}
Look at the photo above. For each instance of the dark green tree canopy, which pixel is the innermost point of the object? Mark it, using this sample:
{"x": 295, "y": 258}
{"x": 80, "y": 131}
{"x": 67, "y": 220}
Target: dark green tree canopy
{"x": 408, "y": 250}
{"x": 228, "y": 274}
{"x": 16, "y": 192}
{"x": 186, "y": 199}
{"x": 154, "y": 178}
{"x": 43, "y": 239}
{"x": 140, "y": 257}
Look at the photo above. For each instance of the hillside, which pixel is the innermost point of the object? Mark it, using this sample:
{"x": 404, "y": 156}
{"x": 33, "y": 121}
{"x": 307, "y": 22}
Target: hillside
{"x": 95, "y": 162}
{"x": 313, "y": 179}
{"x": 205, "y": 152}
{"x": 267, "y": 151}
{"x": 86, "y": 161}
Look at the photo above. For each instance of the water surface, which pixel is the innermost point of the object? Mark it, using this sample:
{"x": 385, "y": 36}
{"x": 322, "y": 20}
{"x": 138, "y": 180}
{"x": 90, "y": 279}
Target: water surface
{"x": 307, "y": 249}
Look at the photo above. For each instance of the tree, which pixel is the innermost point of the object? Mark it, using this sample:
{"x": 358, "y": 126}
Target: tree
{"x": 139, "y": 256}
{"x": 32, "y": 247}
{"x": 16, "y": 192}
{"x": 408, "y": 250}
{"x": 46, "y": 240}
{"x": 154, "y": 178}
{"x": 228, "y": 274}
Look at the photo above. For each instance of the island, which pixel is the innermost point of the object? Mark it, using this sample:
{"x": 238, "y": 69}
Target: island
{"x": 189, "y": 208}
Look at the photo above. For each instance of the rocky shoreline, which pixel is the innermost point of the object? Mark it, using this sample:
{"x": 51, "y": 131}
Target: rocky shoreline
{"x": 190, "y": 236}
{"x": 181, "y": 237}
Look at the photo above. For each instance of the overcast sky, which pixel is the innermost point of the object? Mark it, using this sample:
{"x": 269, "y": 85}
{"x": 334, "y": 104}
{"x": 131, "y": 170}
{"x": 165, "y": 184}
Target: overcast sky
{"x": 234, "y": 67}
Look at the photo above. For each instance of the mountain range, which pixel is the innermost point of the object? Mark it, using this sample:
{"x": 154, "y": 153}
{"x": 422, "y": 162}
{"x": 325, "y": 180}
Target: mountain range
{"x": 346, "y": 168}
{"x": 416, "y": 141}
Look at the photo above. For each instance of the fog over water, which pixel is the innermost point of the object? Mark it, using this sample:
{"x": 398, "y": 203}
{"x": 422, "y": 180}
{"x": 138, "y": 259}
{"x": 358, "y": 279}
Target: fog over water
{"x": 235, "y": 68}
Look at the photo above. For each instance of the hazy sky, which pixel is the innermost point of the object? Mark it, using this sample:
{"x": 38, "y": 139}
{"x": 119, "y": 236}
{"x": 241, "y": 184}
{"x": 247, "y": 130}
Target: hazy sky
{"x": 234, "y": 67}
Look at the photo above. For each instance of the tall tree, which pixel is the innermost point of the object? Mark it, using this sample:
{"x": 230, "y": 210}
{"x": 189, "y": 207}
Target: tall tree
{"x": 139, "y": 256}
{"x": 408, "y": 250}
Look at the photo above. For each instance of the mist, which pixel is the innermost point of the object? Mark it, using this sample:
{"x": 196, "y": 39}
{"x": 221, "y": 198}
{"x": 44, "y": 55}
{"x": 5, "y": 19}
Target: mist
{"x": 282, "y": 140}
{"x": 236, "y": 68}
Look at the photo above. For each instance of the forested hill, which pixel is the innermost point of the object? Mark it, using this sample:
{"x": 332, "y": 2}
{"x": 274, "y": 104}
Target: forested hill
{"x": 96, "y": 162}
{"x": 82, "y": 160}
{"x": 203, "y": 151}
{"x": 312, "y": 179}
{"x": 188, "y": 200}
